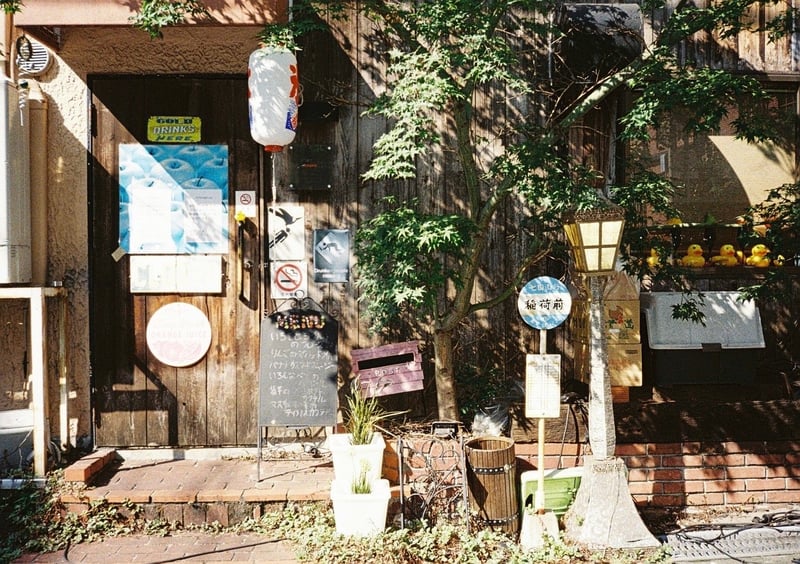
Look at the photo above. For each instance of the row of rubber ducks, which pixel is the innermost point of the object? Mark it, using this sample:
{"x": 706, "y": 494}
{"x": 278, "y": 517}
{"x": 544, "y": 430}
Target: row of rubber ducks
{"x": 728, "y": 256}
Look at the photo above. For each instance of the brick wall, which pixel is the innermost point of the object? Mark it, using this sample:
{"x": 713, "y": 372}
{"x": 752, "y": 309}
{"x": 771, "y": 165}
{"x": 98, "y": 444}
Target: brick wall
{"x": 438, "y": 456}
{"x": 681, "y": 475}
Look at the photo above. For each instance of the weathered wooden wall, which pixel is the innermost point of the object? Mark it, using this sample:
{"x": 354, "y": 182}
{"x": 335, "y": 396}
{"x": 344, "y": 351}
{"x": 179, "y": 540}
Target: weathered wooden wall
{"x": 347, "y": 69}
{"x": 748, "y": 51}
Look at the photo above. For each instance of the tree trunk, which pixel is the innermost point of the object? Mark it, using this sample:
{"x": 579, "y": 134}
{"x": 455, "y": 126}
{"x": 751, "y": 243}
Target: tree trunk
{"x": 445, "y": 375}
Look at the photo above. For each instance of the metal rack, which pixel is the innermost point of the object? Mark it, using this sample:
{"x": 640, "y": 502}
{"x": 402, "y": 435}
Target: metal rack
{"x": 432, "y": 475}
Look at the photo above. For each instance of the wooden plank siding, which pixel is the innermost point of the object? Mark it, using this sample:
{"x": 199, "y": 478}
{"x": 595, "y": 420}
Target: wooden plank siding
{"x": 749, "y": 51}
{"x": 140, "y": 400}
{"x": 143, "y": 402}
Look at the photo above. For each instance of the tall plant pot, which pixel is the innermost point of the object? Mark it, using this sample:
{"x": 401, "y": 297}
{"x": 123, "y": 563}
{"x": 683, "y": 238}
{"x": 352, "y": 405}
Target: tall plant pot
{"x": 360, "y": 515}
{"x": 350, "y": 460}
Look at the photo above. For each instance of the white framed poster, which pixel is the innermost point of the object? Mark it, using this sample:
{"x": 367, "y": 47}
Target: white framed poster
{"x": 542, "y": 385}
{"x": 186, "y": 274}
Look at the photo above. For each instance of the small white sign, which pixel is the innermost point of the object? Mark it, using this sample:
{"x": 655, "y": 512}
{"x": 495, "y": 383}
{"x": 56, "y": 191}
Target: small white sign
{"x": 543, "y": 386}
{"x": 287, "y": 232}
{"x": 289, "y": 279}
{"x": 245, "y": 203}
{"x": 178, "y": 334}
{"x": 167, "y": 274}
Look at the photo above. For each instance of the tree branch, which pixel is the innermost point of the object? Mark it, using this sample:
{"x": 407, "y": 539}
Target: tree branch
{"x": 510, "y": 288}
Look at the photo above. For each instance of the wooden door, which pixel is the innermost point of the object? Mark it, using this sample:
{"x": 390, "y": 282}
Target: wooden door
{"x": 139, "y": 400}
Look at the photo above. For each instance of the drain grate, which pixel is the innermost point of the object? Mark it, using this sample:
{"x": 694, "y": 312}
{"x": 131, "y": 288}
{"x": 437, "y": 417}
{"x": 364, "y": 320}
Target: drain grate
{"x": 733, "y": 542}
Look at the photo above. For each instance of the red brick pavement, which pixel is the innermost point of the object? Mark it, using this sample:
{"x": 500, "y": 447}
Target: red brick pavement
{"x": 179, "y": 547}
{"x": 178, "y": 486}
{"x": 206, "y": 480}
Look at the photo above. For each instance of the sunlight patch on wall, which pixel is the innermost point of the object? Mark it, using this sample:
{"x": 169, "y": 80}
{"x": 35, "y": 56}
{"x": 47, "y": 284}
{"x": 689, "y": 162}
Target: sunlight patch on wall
{"x": 759, "y": 167}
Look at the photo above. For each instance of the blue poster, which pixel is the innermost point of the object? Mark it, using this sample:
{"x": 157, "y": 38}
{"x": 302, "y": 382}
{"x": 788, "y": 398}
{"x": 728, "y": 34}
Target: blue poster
{"x": 173, "y": 199}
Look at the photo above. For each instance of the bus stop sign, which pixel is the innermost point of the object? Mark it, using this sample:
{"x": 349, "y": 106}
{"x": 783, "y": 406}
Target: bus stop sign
{"x": 544, "y": 303}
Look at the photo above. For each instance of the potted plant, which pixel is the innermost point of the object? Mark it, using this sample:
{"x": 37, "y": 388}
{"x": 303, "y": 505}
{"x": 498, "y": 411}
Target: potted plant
{"x": 360, "y": 506}
{"x": 361, "y": 447}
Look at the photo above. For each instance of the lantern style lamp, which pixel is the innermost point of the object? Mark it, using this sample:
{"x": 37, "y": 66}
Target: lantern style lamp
{"x": 603, "y": 513}
{"x": 273, "y": 93}
{"x": 595, "y": 236}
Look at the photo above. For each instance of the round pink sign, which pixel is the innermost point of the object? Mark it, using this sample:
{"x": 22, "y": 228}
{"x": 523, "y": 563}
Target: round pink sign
{"x": 178, "y": 334}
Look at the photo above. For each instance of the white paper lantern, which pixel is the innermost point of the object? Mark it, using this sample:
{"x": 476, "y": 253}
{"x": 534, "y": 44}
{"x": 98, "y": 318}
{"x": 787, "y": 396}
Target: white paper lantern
{"x": 273, "y": 93}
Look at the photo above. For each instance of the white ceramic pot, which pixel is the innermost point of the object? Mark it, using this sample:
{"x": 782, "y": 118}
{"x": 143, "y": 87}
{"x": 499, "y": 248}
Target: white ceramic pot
{"x": 360, "y": 515}
{"x": 350, "y": 459}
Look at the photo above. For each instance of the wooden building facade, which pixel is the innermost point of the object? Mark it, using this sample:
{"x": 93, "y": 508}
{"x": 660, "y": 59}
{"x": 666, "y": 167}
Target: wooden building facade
{"x": 108, "y": 80}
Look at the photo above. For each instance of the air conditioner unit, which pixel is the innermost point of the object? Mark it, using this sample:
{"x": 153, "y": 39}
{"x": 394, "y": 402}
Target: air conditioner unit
{"x": 15, "y": 200}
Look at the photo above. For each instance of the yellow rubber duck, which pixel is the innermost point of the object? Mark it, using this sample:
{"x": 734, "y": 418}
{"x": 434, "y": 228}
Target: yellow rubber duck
{"x": 654, "y": 260}
{"x": 726, "y": 257}
{"x": 758, "y": 256}
{"x": 694, "y": 256}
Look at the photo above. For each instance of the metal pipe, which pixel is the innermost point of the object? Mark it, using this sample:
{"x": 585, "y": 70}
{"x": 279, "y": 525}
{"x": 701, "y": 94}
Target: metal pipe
{"x": 6, "y": 27}
{"x": 37, "y": 117}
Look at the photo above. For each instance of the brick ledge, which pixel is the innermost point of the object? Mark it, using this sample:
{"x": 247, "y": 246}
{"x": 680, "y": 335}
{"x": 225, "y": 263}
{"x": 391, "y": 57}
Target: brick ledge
{"x": 86, "y": 468}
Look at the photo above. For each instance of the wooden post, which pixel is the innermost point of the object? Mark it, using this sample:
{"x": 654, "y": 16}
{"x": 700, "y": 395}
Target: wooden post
{"x": 602, "y": 431}
{"x": 538, "y": 503}
{"x": 40, "y": 402}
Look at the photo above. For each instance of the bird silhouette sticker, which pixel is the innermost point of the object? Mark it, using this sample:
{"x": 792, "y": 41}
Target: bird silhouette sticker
{"x": 286, "y": 227}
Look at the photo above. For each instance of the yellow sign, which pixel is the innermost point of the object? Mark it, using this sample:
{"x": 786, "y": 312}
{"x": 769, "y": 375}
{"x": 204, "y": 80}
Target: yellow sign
{"x": 173, "y": 129}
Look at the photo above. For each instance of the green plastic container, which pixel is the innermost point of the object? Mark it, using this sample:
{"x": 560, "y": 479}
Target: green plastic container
{"x": 560, "y": 487}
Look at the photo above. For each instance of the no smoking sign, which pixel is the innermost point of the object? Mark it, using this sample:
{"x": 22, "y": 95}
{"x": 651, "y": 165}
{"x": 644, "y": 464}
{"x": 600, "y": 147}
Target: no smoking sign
{"x": 246, "y": 203}
{"x": 289, "y": 279}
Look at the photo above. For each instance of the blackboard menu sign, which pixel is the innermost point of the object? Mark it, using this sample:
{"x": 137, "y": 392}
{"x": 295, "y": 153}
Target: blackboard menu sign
{"x": 299, "y": 365}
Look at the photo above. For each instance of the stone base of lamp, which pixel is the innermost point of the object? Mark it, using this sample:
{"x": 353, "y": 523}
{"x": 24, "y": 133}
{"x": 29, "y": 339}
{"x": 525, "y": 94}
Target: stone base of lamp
{"x": 603, "y": 513}
{"x": 535, "y": 527}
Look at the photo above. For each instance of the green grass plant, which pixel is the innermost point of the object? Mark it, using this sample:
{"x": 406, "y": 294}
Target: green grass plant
{"x": 361, "y": 484}
{"x": 37, "y": 522}
{"x": 362, "y": 414}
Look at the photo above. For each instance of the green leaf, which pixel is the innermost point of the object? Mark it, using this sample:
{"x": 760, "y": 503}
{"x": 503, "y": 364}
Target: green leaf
{"x": 154, "y": 15}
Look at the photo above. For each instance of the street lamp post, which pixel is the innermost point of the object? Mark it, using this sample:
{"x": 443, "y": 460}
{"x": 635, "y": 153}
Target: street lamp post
{"x": 595, "y": 236}
{"x": 603, "y": 513}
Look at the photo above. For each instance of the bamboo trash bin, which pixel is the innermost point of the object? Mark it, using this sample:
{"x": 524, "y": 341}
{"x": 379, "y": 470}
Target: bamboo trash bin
{"x": 492, "y": 478}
